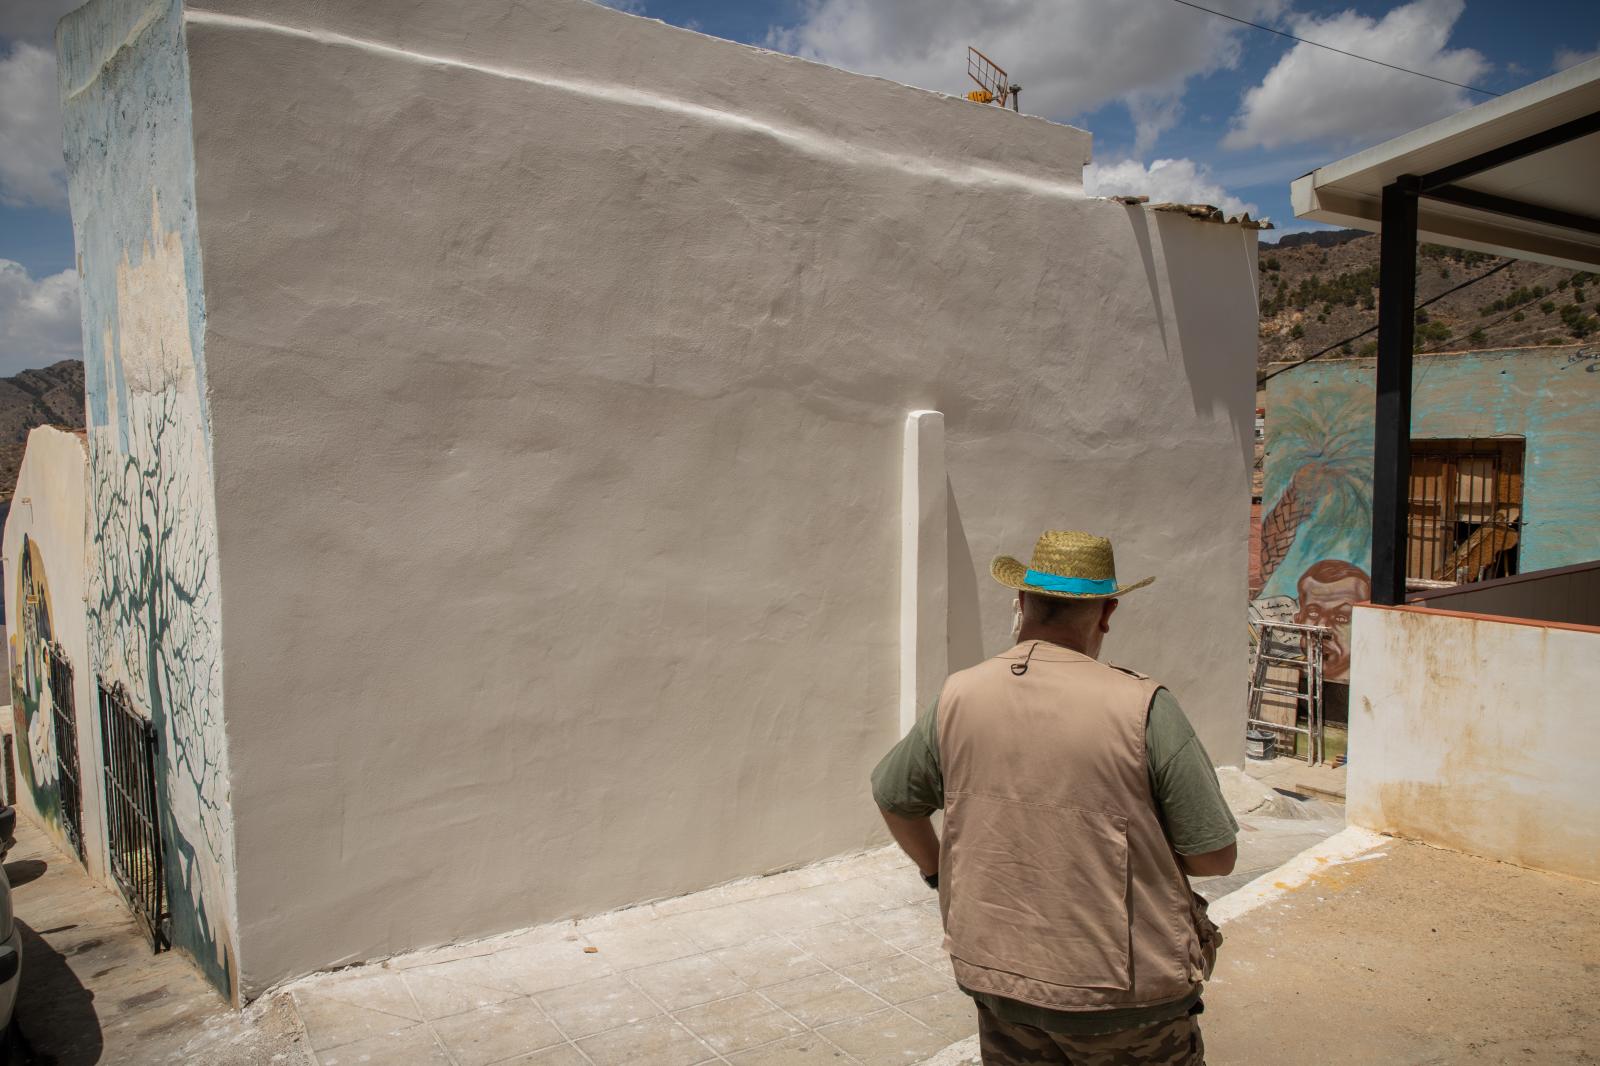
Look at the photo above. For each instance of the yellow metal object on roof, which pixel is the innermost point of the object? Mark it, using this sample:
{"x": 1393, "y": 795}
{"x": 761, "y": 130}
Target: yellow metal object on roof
{"x": 981, "y": 96}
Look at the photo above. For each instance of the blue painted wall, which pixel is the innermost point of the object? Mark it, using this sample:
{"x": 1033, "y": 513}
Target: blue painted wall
{"x": 1319, "y": 445}
{"x": 154, "y": 614}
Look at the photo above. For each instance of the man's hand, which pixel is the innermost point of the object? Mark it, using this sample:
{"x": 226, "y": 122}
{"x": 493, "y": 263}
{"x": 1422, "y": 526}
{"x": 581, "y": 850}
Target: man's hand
{"x": 916, "y": 838}
{"x": 1209, "y": 863}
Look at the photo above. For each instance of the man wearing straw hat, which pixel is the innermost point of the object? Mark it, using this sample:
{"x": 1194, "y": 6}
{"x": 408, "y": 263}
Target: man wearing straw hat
{"x": 1078, "y": 801}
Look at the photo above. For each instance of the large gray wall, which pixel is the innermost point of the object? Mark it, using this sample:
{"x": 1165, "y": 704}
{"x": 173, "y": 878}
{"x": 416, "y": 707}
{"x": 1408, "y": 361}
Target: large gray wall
{"x": 559, "y": 362}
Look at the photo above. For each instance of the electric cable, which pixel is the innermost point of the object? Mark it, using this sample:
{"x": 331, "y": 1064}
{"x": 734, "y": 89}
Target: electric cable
{"x": 1331, "y": 48}
{"x": 1264, "y": 378}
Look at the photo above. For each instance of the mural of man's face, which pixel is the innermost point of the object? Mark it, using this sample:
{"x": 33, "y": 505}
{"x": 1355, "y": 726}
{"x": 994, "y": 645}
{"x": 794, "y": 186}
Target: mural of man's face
{"x": 1328, "y": 603}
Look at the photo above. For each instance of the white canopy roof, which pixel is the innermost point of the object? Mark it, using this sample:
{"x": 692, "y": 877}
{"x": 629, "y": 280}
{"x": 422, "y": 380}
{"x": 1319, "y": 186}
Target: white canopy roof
{"x": 1536, "y": 199}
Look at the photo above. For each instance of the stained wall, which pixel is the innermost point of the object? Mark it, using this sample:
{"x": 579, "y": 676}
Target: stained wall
{"x": 153, "y": 606}
{"x": 45, "y": 585}
{"x": 1475, "y": 734}
{"x": 1317, "y": 499}
{"x": 558, "y": 363}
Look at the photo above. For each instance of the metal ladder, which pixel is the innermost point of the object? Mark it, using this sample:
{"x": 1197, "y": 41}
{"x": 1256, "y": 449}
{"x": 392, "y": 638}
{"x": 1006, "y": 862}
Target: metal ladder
{"x": 1272, "y": 648}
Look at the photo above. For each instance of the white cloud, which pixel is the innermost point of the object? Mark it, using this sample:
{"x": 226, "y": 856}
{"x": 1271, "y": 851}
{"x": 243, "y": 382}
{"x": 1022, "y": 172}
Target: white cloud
{"x": 1316, "y": 95}
{"x": 32, "y": 171}
{"x": 38, "y": 319}
{"x": 1164, "y": 181}
{"x": 1070, "y": 56}
{"x": 1571, "y": 57}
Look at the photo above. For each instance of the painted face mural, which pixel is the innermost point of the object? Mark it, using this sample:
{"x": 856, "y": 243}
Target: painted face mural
{"x": 1328, "y": 590}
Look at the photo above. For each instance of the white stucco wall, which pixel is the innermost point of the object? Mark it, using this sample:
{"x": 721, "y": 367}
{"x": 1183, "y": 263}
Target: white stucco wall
{"x": 48, "y": 512}
{"x": 1477, "y": 734}
{"x": 558, "y": 383}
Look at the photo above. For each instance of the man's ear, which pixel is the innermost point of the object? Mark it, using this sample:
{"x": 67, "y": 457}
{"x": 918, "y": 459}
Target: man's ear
{"x": 1106, "y": 610}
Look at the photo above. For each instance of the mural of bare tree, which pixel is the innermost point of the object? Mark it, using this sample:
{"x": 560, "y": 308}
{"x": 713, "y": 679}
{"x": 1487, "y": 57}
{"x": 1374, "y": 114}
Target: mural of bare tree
{"x": 155, "y": 617}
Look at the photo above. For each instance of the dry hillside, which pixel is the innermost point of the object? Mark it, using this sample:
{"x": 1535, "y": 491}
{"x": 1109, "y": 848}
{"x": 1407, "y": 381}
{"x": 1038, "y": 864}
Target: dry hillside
{"x": 50, "y": 396}
{"x": 1318, "y": 289}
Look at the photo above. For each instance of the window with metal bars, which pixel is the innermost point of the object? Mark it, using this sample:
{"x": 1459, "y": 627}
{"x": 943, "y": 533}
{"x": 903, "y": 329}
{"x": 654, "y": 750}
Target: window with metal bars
{"x": 1465, "y": 509}
{"x": 133, "y": 828}
{"x": 64, "y": 720}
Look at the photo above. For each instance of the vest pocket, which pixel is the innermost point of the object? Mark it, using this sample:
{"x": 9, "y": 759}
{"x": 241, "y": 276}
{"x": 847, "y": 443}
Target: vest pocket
{"x": 1038, "y": 890}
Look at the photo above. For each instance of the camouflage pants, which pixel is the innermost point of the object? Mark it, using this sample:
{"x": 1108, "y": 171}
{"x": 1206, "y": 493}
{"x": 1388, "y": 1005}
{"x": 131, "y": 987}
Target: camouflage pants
{"x": 1174, "y": 1043}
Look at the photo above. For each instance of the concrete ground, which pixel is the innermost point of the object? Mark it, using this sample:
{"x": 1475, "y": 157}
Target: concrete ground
{"x": 1411, "y": 955}
{"x": 836, "y": 962}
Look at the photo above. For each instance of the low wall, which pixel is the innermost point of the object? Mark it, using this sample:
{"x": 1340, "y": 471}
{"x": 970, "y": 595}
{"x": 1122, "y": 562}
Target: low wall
{"x": 1569, "y": 594}
{"x": 1477, "y": 734}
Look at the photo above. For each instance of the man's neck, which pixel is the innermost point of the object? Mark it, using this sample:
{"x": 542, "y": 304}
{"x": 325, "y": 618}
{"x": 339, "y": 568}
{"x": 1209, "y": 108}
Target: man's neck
{"x": 1065, "y": 639}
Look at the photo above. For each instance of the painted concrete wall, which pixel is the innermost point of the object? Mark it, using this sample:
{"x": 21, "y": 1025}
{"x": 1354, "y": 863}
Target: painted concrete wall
{"x": 1478, "y": 735}
{"x": 154, "y": 617}
{"x": 45, "y": 584}
{"x": 560, "y": 363}
{"x": 1318, "y": 462}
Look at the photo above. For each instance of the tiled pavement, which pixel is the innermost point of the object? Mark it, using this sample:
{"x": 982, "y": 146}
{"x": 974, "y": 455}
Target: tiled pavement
{"x": 838, "y": 962}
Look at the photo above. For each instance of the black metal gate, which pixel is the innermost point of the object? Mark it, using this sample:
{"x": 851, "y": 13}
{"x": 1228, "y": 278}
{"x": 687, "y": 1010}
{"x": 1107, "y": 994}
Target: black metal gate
{"x": 133, "y": 829}
{"x": 64, "y": 719}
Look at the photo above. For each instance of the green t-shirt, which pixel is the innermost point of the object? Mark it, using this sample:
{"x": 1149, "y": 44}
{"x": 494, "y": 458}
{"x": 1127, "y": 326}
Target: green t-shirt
{"x": 909, "y": 782}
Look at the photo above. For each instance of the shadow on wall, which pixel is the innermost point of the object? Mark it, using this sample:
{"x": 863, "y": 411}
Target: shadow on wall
{"x": 965, "y": 632}
{"x": 1194, "y": 294}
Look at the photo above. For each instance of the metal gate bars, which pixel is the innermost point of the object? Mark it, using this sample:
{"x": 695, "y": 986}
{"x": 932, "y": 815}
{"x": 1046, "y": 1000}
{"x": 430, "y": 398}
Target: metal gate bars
{"x": 64, "y": 720}
{"x": 133, "y": 830}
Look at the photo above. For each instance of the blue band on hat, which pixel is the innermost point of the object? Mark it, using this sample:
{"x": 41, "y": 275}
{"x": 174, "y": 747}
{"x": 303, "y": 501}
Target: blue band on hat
{"x": 1079, "y": 585}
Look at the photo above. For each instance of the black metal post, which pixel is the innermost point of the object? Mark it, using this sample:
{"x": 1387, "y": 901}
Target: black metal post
{"x": 1391, "y": 460}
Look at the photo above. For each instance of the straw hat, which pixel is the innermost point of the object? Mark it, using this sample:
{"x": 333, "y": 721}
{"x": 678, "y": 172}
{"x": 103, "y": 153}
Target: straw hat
{"x": 1067, "y": 565}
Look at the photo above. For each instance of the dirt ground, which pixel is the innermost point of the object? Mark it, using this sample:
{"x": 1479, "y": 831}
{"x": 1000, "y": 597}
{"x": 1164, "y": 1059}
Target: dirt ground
{"x": 1421, "y": 956}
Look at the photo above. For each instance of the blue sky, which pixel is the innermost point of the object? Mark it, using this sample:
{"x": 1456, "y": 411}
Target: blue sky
{"x": 1183, "y": 105}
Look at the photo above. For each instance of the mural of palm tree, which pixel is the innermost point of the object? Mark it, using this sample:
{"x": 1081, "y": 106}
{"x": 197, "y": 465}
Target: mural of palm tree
{"x": 1327, "y": 441}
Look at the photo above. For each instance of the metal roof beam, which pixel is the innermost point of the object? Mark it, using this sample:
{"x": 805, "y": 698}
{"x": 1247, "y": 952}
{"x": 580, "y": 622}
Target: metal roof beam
{"x": 1511, "y": 152}
{"x": 1501, "y": 205}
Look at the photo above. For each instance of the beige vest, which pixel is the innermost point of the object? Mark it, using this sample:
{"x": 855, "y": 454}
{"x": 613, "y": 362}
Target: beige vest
{"x": 1057, "y": 884}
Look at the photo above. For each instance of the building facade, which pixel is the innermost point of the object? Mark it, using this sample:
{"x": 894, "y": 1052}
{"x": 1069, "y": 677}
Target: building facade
{"x": 518, "y": 404}
{"x": 1502, "y": 477}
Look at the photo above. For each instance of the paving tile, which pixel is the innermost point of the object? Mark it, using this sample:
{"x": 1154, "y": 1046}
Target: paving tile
{"x": 842, "y": 944}
{"x": 331, "y": 1023}
{"x": 595, "y": 1006}
{"x": 739, "y": 1023}
{"x": 804, "y": 1050}
{"x": 898, "y": 978}
{"x": 374, "y": 988}
{"x": 408, "y": 1047}
{"x": 934, "y": 955}
{"x": 885, "y": 1039}
{"x": 440, "y": 997}
{"x": 484, "y": 970}
{"x": 560, "y": 1055}
{"x": 496, "y": 1032}
{"x": 631, "y": 946}
{"x": 541, "y": 967}
{"x": 658, "y": 1041}
{"x": 860, "y": 895}
{"x": 723, "y": 927}
{"x": 686, "y": 982}
{"x": 906, "y": 927}
{"x": 822, "y": 999}
{"x": 950, "y": 1014}
{"x": 769, "y": 961}
{"x": 792, "y": 911}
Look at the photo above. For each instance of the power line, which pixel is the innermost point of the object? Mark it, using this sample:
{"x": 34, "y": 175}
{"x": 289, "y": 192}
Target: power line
{"x": 1331, "y": 48}
{"x": 1264, "y": 378}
